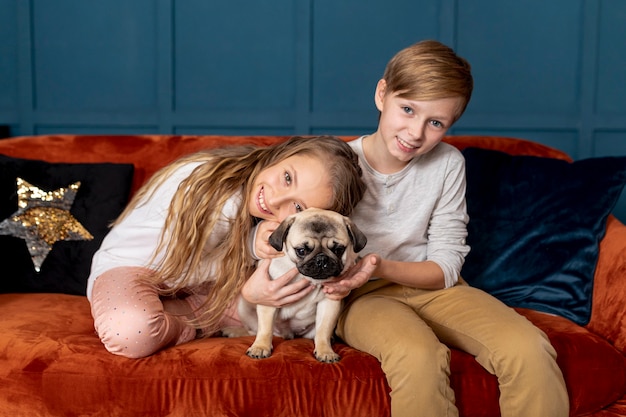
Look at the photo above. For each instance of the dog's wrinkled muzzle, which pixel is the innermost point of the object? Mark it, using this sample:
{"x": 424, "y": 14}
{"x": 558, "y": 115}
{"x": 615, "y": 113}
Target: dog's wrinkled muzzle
{"x": 321, "y": 267}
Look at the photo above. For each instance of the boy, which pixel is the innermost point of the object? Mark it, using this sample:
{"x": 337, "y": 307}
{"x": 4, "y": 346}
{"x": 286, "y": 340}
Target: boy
{"x": 414, "y": 215}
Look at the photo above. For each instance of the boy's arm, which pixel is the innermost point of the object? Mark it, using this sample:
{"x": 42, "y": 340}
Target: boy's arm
{"x": 427, "y": 275}
{"x": 446, "y": 234}
{"x": 354, "y": 278}
{"x": 447, "y": 229}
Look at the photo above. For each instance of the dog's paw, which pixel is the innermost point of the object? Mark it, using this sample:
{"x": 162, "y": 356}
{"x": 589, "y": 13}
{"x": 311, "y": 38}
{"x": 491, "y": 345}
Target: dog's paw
{"x": 326, "y": 356}
{"x": 259, "y": 352}
{"x": 235, "y": 331}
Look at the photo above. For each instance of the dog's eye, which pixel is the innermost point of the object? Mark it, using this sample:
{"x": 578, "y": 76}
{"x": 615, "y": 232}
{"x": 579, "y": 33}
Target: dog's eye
{"x": 338, "y": 250}
{"x": 303, "y": 251}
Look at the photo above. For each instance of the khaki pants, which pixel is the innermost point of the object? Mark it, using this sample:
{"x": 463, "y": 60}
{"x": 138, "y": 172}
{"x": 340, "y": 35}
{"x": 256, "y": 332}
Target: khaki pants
{"x": 408, "y": 330}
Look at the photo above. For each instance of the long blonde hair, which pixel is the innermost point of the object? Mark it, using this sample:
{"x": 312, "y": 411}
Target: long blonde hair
{"x": 198, "y": 202}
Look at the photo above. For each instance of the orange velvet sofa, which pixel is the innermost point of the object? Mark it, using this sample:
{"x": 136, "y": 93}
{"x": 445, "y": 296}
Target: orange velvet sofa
{"x": 53, "y": 364}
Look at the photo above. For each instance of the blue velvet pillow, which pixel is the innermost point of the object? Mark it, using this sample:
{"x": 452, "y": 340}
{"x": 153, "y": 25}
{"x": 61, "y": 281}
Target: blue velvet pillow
{"x": 102, "y": 195}
{"x": 535, "y": 226}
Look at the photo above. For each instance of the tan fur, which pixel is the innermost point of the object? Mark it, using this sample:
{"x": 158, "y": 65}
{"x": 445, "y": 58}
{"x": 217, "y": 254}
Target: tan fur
{"x": 314, "y": 316}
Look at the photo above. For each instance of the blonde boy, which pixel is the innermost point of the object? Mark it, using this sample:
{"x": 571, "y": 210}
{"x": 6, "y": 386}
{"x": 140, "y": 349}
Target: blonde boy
{"x": 414, "y": 214}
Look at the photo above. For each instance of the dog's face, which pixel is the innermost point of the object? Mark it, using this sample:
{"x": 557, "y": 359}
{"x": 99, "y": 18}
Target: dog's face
{"x": 321, "y": 243}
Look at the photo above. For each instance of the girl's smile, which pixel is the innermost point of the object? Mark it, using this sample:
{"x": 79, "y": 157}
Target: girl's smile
{"x": 261, "y": 202}
{"x": 292, "y": 185}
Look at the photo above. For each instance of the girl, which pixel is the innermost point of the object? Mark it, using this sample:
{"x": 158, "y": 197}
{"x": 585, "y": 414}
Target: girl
{"x": 176, "y": 259}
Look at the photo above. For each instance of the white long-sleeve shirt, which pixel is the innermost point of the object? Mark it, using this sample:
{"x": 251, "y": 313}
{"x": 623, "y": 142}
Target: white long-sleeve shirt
{"x": 133, "y": 241}
{"x": 419, "y": 213}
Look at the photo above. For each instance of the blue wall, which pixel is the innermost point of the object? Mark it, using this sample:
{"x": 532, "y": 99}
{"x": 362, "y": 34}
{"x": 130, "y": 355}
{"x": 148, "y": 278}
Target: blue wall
{"x": 550, "y": 71}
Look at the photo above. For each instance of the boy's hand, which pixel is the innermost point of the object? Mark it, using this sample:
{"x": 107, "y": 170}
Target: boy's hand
{"x": 261, "y": 289}
{"x": 262, "y": 248}
{"x": 355, "y": 277}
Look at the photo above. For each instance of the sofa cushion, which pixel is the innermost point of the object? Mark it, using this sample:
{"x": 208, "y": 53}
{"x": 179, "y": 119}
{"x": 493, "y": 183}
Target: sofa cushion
{"x": 54, "y": 364}
{"x": 101, "y": 196}
{"x": 535, "y": 227}
{"x": 57, "y": 361}
{"x": 593, "y": 369}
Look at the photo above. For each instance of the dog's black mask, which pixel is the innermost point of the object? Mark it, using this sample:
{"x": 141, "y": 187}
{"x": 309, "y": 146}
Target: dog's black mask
{"x": 321, "y": 267}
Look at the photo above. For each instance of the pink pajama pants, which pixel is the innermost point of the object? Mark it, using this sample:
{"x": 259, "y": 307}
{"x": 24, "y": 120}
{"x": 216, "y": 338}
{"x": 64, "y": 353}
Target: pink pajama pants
{"x": 129, "y": 315}
{"x": 134, "y": 321}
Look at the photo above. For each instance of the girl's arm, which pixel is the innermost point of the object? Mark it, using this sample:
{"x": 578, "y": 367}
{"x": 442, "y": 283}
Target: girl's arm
{"x": 261, "y": 249}
{"x": 261, "y": 289}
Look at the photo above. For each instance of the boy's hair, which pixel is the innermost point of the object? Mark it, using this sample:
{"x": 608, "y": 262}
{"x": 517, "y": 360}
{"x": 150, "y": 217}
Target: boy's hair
{"x": 197, "y": 204}
{"x": 429, "y": 70}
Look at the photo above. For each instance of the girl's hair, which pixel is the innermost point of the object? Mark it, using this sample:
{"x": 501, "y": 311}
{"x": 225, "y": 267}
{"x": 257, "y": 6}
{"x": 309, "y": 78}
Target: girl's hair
{"x": 429, "y": 70}
{"x": 197, "y": 204}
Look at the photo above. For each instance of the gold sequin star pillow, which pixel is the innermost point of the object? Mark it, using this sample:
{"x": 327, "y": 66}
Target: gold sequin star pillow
{"x": 53, "y": 217}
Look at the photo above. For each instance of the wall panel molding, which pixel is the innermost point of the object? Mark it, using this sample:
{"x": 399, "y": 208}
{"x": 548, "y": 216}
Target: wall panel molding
{"x": 314, "y": 67}
{"x": 25, "y": 74}
{"x": 309, "y": 66}
{"x": 165, "y": 64}
{"x": 588, "y": 79}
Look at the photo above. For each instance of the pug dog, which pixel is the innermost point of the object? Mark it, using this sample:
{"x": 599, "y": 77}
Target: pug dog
{"x": 321, "y": 244}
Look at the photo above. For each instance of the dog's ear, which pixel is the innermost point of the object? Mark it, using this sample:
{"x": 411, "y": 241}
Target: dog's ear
{"x": 278, "y": 236}
{"x": 358, "y": 238}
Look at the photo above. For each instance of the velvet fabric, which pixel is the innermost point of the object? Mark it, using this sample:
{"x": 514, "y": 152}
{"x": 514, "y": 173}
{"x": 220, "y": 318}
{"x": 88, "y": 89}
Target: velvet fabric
{"x": 58, "y": 362}
{"x": 103, "y": 194}
{"x": 52, "y": 363}
{"x": 608, "y": 313}
{"x": 535, "y": 227}
{"x": 59, "y": 366}
{"x": 147, "y": 153}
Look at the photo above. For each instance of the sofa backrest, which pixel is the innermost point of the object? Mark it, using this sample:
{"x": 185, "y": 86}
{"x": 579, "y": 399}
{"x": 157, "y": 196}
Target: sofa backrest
{"x": 148, "y": 153}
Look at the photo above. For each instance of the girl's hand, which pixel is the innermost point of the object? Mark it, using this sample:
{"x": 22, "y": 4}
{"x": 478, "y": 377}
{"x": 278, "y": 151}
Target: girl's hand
{"x": 354, "y": 278}
{"x": 262, "y": 248}
{"x": 261, "y": 289}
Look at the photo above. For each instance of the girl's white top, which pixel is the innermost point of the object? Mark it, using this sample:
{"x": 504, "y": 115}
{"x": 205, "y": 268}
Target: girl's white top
{"x": 133, "y": 241}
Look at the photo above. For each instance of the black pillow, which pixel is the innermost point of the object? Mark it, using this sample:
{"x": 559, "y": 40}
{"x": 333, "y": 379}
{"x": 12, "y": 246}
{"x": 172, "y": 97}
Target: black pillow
{"x": 535, "y": 227}
{"x": 101, "y": 197}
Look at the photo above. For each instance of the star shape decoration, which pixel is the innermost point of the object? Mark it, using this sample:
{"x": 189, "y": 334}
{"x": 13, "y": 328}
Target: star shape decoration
{"x": 43, "y": 218}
